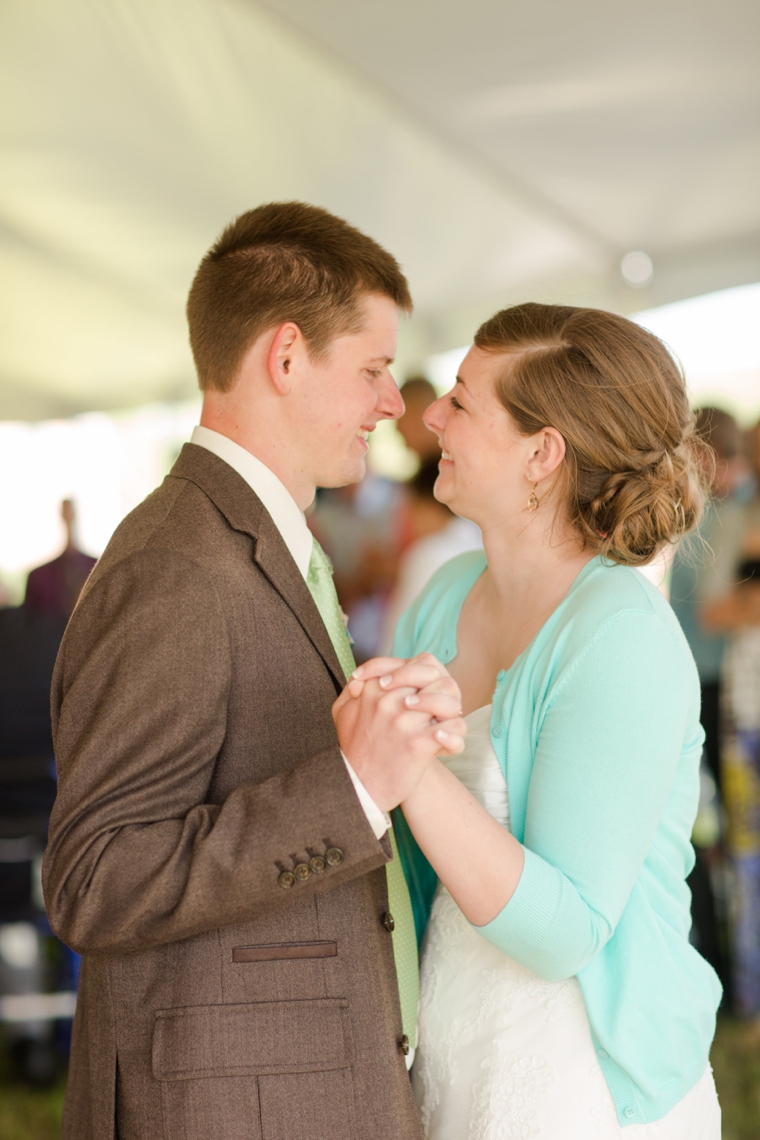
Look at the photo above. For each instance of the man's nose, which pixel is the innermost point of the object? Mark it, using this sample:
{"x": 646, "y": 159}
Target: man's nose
{"x": 390, "y": 402}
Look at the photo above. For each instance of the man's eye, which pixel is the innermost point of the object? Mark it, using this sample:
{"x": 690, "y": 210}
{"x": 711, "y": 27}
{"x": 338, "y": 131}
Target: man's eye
{"x": 455, "y": 402}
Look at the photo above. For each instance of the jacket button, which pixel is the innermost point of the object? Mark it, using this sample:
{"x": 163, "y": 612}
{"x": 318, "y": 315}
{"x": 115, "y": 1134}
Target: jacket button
{"x": 287, "y": 879}
{"x": 317, "y": 864}
{"x": 334, "y": 856}
{"x": 389, "y": 922}
{"x": 404, "y": 1045}
{"x": 302, "y": 871}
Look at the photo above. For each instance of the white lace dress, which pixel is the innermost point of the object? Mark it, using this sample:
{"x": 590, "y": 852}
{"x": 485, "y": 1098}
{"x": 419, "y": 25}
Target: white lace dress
{"x": 503, "y": 1055}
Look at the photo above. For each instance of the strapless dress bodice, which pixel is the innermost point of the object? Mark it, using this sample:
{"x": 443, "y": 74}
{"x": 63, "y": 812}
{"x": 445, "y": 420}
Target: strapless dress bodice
{"x": 478, "y": 767}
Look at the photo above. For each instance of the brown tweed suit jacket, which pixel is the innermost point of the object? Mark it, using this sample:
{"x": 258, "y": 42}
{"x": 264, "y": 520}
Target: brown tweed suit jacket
{"x": 197, "y": 761}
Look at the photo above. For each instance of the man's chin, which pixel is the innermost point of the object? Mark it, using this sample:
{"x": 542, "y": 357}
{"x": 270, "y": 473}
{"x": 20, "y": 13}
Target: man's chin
{"x": 352, "y": 472}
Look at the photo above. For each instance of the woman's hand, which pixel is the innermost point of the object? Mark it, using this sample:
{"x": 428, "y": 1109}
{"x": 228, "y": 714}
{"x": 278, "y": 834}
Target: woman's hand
{"x": 425, "y": 673}
{"x": 391, "y": 725}
{"x": 428, "y": 688}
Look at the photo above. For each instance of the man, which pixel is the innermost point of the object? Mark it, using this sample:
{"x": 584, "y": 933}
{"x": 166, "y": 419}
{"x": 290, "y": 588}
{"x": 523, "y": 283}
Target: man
{"x": 704, "y": 567}
{"x": 418, "y": 394}
{"x": 435, "y": 534}
{"x": 55, "y": 587}
{"x": 213, "y": 854}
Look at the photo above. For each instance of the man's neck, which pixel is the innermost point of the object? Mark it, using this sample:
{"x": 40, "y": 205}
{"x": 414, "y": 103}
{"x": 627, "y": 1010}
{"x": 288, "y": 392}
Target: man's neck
{"x": 269, "y": 448}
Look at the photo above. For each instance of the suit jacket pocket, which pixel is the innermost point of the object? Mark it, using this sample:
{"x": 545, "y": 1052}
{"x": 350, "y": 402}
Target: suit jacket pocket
{"x": 252, "y": 1039}
{"x": 284, "y": 951}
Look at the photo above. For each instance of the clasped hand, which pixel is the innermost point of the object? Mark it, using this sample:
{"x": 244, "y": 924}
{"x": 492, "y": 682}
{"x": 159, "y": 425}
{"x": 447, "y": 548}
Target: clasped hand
{"x": 393, "y": 718}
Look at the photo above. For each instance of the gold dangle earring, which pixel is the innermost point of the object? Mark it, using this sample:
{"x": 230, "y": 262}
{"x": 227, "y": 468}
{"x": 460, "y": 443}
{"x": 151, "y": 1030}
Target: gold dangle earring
{"x": 533, "y": 503}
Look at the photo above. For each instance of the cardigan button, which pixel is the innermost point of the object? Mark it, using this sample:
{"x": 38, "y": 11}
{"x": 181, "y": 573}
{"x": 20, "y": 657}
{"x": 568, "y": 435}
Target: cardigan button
{"x": 501, "y": 675}
{"x": 630, "y": 1111}
{"x": 603, "y": 1054}
{"x": 498, "y": 729}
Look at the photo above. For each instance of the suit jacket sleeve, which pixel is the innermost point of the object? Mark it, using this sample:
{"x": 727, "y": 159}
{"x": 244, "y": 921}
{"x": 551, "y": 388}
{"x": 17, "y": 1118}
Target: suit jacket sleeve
{"x": 136, "y": 855}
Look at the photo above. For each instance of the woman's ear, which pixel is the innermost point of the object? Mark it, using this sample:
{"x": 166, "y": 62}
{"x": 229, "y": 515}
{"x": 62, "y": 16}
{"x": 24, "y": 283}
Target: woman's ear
{"x": 285, "y": 344}
{"x": 546, "y": 455}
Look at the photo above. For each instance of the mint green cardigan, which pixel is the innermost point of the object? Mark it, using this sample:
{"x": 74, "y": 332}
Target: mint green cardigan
{"x": 596, "y": 728}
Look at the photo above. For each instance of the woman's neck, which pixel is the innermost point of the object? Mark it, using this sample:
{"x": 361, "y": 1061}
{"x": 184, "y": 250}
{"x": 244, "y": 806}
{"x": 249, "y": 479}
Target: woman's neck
{"x": 532, "y": 566}
{"x": 530, "y": 570}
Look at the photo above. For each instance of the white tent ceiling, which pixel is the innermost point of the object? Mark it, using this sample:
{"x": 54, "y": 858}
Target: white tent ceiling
{"x": 500, "y": 150}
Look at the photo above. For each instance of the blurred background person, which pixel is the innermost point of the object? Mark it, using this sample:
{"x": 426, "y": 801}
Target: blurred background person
{"x": 736, "y": 616}
{"x": 703, "y": 570}
{"x": 418, "y": 394}
{"x": 30, "y": 959}
{"x": 704, "y": 567}
{"x": 357, "y": 527}
{"x": 435, "y": 536}
{"x": 55, "y": 587}
{"x": 741, "y": 756}
{"x": 366, "y": 528}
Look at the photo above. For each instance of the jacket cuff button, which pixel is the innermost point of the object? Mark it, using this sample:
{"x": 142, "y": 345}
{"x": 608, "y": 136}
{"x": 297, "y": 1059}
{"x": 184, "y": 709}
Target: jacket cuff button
{"x": 334, "y": 856}
{"x": 302, "y": 871}
{"x": 286, "y": 880}
{"x": 317, "y": 864}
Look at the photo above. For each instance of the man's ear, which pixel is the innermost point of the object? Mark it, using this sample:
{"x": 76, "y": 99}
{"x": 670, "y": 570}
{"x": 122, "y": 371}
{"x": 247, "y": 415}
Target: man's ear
{"x": 286, "y": 342}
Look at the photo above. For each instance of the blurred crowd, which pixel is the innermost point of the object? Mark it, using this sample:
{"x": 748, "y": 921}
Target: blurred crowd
{"x": 715, "y": 592}
{"x": 386, "y": 539}
{"x": 37, "y": 974}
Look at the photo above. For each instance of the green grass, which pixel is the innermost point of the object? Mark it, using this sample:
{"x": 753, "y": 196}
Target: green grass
{"x": 26, "y": 1113}
{"x": 736, "y": 1064}
{"x": 29, "y": 1114}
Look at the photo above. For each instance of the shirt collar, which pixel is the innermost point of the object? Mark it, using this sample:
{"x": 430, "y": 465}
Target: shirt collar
{"x": 282, "y": 507}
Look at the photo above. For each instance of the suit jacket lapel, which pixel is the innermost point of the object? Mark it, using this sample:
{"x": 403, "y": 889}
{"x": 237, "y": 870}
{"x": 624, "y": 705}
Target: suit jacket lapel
{"x": 245, "y": 512}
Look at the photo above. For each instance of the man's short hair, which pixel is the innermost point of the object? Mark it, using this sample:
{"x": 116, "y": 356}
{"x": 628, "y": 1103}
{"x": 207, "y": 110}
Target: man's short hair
{"x": 286, "y": 261}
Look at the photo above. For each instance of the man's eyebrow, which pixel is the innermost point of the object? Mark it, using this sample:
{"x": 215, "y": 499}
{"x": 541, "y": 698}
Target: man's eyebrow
{"x": 461, "y": 381}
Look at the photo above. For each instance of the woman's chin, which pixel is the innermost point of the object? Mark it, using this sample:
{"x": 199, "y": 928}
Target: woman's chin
{"x": 443, "y": 487}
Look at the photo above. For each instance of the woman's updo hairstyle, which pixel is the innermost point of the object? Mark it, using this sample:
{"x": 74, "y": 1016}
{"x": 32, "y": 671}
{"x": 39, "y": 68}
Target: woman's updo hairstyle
{"x": 635, "y": 472}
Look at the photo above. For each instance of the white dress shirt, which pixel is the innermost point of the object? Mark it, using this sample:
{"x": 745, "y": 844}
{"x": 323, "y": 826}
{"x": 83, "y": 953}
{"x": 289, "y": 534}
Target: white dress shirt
{"x": 291, "y": 523}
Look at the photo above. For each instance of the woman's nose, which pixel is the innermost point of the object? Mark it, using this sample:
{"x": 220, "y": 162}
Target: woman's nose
{"x": 434, "y": 415}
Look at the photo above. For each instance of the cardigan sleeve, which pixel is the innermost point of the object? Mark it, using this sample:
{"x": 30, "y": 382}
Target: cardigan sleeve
{"x": 609, "y": 741}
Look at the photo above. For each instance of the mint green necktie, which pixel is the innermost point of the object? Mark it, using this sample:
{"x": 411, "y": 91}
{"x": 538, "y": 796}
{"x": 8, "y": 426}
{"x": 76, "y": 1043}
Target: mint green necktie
{"x": 322, "y": 589}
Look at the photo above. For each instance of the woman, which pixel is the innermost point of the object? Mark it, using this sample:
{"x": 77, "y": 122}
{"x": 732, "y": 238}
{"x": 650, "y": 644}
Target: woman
{"x": 560, "y": 995}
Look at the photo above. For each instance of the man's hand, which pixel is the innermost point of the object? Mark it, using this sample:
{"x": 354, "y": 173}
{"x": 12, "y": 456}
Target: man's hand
{"x": 393, "y": 718}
